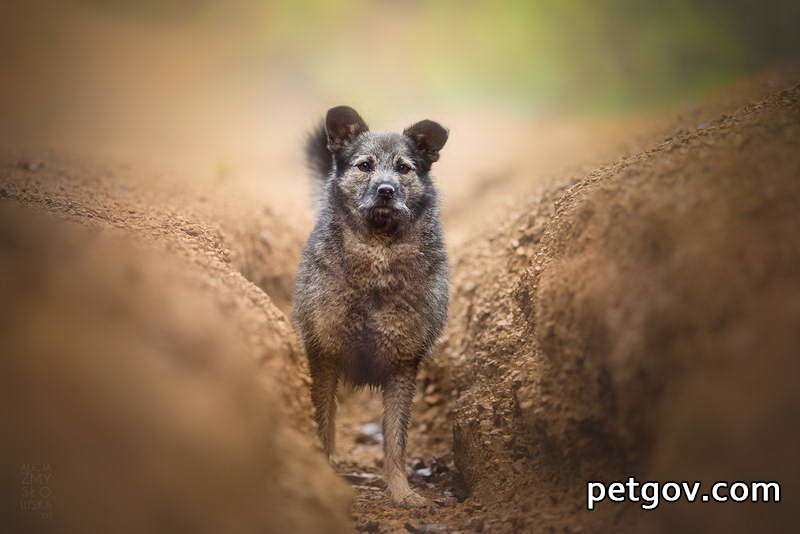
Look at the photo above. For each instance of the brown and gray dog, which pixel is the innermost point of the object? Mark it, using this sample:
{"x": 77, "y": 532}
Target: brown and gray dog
{"x": 371, "y": 293}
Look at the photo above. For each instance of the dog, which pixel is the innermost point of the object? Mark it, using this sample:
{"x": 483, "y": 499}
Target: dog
{"x": 371, "y": 291}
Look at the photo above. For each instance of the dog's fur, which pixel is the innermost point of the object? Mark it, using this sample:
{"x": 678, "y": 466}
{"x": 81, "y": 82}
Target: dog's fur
{"x": 372, "y": 287}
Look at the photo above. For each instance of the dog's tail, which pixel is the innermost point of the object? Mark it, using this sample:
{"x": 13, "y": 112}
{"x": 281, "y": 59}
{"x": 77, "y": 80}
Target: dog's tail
{"x": 318, "y": 158}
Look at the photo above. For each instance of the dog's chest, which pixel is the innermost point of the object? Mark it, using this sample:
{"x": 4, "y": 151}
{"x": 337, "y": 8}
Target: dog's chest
{"x": 378, "y": 266}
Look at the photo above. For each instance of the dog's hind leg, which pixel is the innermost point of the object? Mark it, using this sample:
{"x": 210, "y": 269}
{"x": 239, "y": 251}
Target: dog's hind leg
{"x": 398, "y": 394}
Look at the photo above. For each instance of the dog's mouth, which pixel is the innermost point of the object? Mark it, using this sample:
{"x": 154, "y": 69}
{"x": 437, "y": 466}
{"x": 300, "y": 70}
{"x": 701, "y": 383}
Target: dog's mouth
{"x": 385, "y": 217}
{"x": 381, "y": 215}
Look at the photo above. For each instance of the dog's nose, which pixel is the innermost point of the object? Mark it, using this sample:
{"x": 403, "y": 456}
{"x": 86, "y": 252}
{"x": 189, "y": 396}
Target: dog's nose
{"x": 385, "y": 191}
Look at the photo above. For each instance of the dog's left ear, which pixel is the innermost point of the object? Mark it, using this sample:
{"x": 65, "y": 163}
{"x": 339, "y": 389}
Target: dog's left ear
{"x": 429, "y": 137}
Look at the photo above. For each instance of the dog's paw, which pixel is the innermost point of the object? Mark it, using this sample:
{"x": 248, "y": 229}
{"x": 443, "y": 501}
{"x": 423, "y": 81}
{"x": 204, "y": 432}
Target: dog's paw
{"x": 411, "y": 499}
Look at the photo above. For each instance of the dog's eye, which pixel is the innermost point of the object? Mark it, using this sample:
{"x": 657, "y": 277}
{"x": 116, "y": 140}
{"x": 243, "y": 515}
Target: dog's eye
{"x": 402, "y": 168}
{"x": 365, "y": 166}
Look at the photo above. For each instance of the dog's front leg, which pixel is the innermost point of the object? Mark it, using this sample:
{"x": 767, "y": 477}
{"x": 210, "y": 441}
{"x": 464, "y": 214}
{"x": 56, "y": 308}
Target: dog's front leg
{"x": 324, "y": 377}
{"x": 398, "y": 394}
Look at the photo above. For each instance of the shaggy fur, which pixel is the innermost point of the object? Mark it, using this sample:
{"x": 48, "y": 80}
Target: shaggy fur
{"x": 371, "y": 293}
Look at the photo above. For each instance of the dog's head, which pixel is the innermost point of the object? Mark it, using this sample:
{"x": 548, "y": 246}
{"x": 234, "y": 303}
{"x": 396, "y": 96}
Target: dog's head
{"x": 382, "y": 178}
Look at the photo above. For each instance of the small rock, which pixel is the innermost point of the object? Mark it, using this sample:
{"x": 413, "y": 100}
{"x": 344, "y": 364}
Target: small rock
{"x": 475, "y": 505}
{"x": 369, "y": 526}
{"x": 368, "y": 488}
{"x": 426, "y": 528}
{"x": 424, "y": 472}
{"x": 30, "y": 165}
{"x": 445, "y": 501}
{"x": 439, "y": 465}
{"x": 362, "y": 479}
{"x": 369, "y": 434}
{"x": 433, "y": 399}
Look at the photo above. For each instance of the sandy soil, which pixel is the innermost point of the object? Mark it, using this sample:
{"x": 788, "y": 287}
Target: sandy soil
{"x": 610, "y": 277}
{"x": 638, "y": 320}
{"x": 156, "y": 395}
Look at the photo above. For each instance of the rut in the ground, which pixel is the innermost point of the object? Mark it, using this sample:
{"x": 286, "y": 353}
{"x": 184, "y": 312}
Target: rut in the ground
{"x": 607, "y": 327}
{"x": 640, "y": 320}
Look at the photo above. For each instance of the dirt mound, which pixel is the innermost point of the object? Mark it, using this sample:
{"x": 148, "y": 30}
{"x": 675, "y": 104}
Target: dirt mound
{"x": 214, "y": 217}
{"x": 640, "y": 321}
{"x": 135, "y": 397}
{"x": 229, "y": 239}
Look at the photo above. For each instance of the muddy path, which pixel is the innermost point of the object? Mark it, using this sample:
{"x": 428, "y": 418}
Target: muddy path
{"x": 534, "y": 387}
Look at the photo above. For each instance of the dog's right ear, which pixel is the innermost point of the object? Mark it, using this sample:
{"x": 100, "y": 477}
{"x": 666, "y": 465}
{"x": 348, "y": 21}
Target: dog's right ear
{"x": 342, "y": 125}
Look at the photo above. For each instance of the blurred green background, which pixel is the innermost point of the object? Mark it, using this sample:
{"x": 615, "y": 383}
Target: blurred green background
{"x": 596, "y": 55}
{"x": 220, "y": 75}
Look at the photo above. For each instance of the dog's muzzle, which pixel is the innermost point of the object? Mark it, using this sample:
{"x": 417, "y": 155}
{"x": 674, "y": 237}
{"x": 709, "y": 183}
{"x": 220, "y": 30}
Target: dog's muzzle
{"x": 385, "y": 213}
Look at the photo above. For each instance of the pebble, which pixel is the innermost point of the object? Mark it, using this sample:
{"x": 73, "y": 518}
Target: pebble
{"x": 369, "y": 526}
{"x": 433, "y": 399}
{"x": 362, "y": 479}
{"x": 30, "y": 165}
{"x": 424, "y": 472}
{"x": 426, "y": 528}
{"x": 369, "y": 434}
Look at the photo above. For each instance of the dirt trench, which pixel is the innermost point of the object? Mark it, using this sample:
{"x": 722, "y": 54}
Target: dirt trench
{"x": 637, "y": 321}
{"x": 606, "y": 327}
{"x": 148, "y": 395}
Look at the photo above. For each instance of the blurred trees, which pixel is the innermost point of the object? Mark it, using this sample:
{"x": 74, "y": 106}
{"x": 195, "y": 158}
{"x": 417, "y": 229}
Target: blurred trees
{"x": 591, "y": 53}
